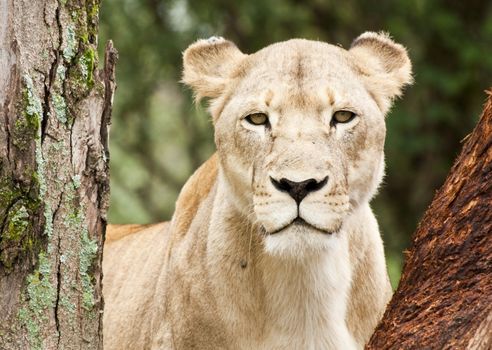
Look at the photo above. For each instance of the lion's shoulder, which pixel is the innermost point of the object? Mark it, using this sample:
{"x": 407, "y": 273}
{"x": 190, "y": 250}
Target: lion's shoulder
{"x": 117, "y": 232}
{"x": 193, "y": 193}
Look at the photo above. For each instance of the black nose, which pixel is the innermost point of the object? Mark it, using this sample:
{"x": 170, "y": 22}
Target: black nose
{"x": 298, "y": 190}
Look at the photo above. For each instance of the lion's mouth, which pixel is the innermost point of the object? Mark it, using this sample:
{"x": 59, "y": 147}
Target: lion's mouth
{"x": 300, "y": 222}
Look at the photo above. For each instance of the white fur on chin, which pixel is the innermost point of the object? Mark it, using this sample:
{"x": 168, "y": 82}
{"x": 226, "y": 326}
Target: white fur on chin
{"x": 299, "y": 241}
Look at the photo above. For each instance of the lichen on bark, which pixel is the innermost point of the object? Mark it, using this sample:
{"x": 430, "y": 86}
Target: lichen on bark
{"x": 40, "y": 289}
{"x": 26, "y": 128}
{"x": 41, "y": 295}
{"x": 88, "y": 251}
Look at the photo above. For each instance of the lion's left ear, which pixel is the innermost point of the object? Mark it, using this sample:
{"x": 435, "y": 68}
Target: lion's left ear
{"x": 384, "y": 65}
{"x": 208, "y": 64}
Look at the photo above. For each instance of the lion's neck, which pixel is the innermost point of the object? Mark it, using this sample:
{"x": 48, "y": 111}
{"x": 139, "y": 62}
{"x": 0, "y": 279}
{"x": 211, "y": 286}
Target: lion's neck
{"x": 272, "y": 302}
{"x": 307, "y": 300}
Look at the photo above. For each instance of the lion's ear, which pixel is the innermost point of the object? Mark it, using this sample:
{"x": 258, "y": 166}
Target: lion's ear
{"x": 207, "y": 65}
{"x": 384, "y": 65}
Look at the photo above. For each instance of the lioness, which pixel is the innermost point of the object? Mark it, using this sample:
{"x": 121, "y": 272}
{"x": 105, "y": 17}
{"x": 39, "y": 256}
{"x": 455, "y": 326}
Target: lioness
{"x": 273, "y": 244}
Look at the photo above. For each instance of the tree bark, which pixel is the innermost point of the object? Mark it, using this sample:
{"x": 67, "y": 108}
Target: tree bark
{"x": 444, "y": 299}
{"x": 55, "y": 108}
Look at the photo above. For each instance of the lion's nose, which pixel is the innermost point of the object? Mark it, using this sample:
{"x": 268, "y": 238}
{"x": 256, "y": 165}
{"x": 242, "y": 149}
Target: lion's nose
{"x": 298, "y": 190}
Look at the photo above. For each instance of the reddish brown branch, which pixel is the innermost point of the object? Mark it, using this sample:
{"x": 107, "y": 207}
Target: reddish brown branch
{"x": 444, "y": 300}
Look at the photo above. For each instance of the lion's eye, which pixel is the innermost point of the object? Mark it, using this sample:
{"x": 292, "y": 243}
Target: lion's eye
{"x": 257, "y": 119}
{"x": 343, "y": 116}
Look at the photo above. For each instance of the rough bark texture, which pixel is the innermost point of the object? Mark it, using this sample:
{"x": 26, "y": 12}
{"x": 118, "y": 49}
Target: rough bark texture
{"x": 444, "y": 300}
{"x": 54, "y": 114}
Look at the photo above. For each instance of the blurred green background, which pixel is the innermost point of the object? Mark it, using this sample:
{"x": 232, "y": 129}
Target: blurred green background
{"x": 158, "y": 137}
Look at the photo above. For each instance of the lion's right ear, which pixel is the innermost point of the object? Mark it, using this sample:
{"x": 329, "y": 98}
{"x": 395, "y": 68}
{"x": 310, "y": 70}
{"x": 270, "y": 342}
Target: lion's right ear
{"x": 208, "y": 64}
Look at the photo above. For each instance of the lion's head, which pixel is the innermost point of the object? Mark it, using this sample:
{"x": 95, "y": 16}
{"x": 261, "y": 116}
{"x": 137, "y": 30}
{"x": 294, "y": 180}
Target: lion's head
{"x": 299, "y": 129}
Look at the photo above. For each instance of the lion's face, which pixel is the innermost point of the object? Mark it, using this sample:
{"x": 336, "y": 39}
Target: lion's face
{"x": 300, "y": 138}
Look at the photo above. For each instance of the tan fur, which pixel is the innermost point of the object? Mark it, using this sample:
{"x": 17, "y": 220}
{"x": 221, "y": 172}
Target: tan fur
{"x": 193, "y": 193}
{"x": 117, "y": 232}
{"x": 233, "y": 270}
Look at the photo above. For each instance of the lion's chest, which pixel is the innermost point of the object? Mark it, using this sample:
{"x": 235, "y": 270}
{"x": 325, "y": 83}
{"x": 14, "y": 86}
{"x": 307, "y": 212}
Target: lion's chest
{"x": 321, "y": 331}
{"x": 304, "y": 308}
{"x": 308, "y": 339}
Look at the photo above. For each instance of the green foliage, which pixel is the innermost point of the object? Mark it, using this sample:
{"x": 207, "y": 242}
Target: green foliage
{"x": 158, "y": 138}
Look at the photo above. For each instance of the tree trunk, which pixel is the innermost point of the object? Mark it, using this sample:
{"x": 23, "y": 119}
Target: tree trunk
{"x": 444, "y": 299}
{"x": 54, "y": 114}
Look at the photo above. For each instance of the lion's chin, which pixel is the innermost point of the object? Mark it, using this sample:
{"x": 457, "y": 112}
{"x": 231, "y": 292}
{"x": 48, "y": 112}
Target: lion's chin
{"x": 302, "y": 225}
{"x": 299, "y": 240}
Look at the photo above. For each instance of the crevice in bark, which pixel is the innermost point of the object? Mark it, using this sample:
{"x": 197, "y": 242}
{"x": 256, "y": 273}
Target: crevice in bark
{"x": 12, "y": 87}
{"x": 110, "y": 58}
{"x": 48, "y": 85}
{"x": 50, "y": 78}
{"x": 60, "y": 27}
{"x": 46, "y": 105}
{"x": 58, "y": 269}
{"x": 71, "y": 144}
{"x": 7, "y": 135}
{"x": 58, "y": 288}
{"x": 48, "y": 135}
